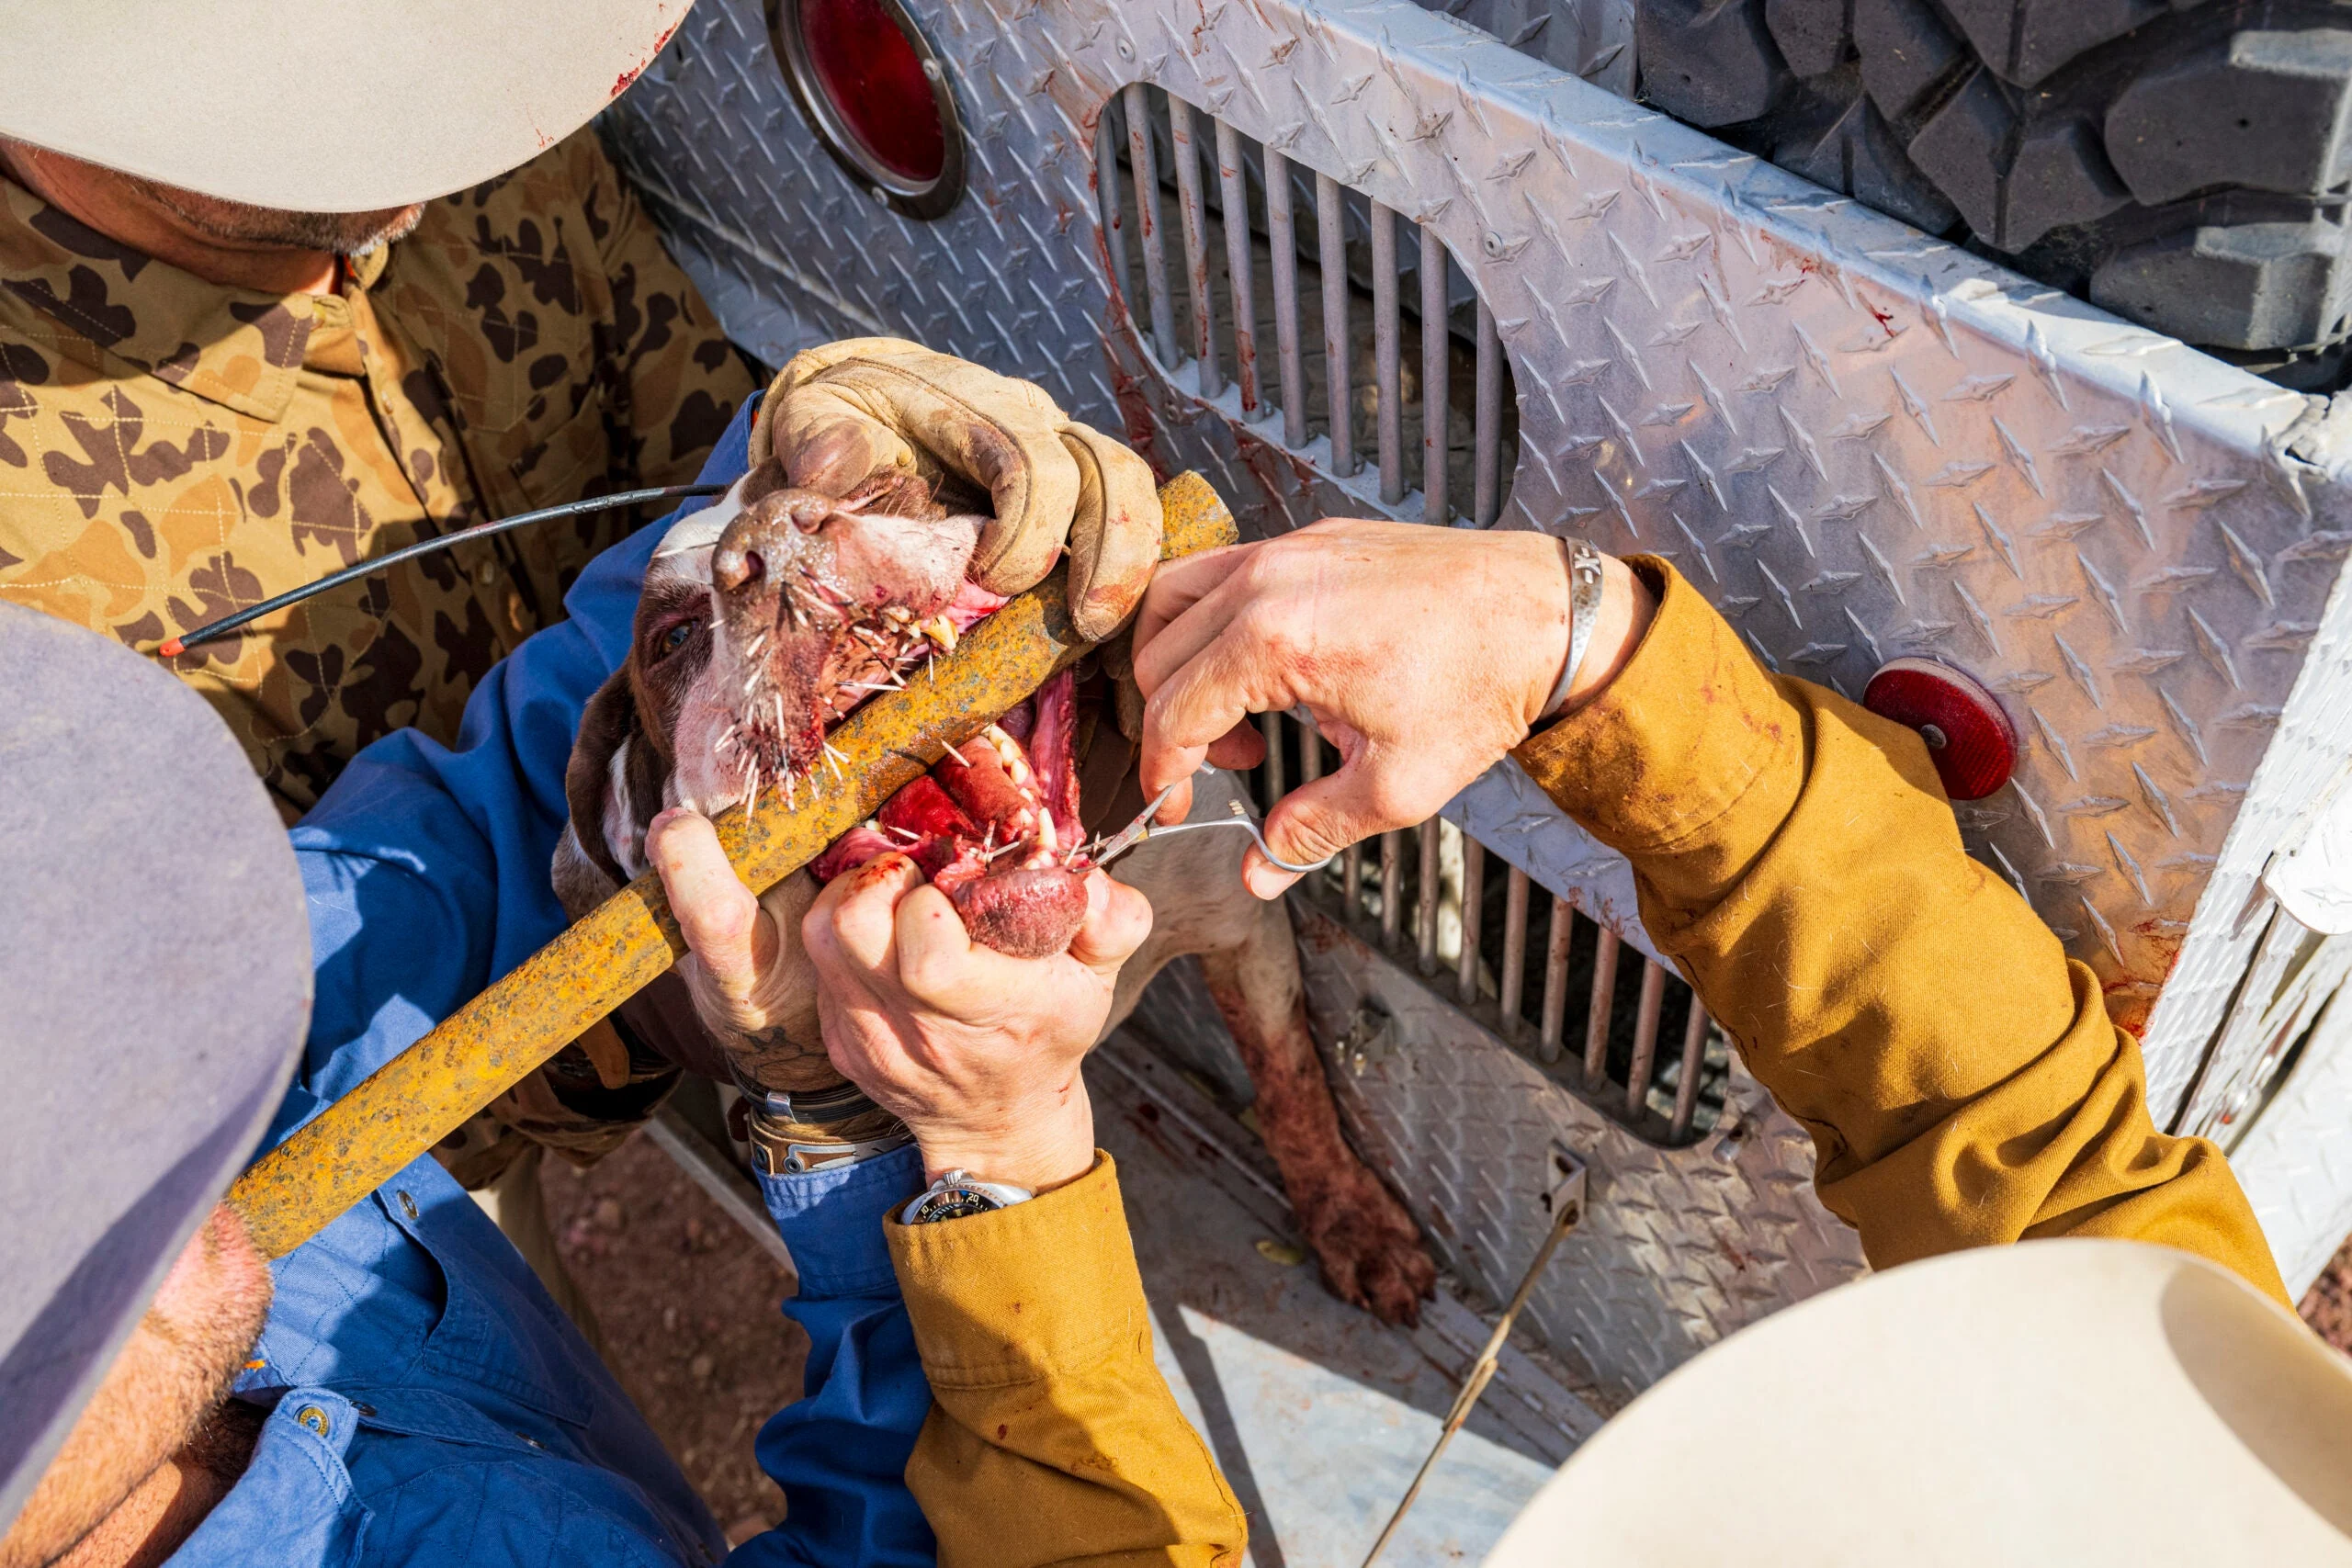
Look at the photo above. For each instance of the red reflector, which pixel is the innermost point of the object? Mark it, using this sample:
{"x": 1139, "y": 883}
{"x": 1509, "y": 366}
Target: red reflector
{"x": 872, "y": 80}
{"x": 1969, "y": 738}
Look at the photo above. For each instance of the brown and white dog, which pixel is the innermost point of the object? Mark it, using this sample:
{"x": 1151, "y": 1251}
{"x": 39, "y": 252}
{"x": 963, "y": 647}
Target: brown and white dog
{"x": 768, "y": 616}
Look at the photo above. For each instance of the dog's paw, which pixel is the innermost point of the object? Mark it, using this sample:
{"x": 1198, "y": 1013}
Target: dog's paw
{"x": 1368, "y": 1247}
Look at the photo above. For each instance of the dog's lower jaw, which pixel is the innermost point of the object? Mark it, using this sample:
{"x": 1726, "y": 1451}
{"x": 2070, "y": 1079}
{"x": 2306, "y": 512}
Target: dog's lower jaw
{"x": 1029, "y": 912}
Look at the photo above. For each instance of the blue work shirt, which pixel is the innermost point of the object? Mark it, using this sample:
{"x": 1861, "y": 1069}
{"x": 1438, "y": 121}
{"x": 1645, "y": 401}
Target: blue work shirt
{"x": 432, "y": 1404}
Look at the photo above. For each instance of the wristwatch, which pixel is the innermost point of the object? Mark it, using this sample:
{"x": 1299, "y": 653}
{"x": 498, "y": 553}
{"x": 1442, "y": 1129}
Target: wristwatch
{"x": 793, "y": 1133}
{"x": 958, "y": 1193}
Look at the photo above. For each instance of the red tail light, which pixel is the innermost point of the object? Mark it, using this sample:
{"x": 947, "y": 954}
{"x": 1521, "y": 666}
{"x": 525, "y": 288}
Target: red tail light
{"x": 874, "y": 79}
{"x": 1969, "y": 738}
{"x": 876, "y": 95}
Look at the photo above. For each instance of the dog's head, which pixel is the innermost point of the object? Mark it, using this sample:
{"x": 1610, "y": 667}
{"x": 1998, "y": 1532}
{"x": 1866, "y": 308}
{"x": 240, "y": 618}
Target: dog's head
{"x": 762, "y": 621}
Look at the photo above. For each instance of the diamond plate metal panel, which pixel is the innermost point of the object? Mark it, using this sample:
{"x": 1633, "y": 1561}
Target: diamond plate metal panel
{"x": 1858, "y": 441}
{"x": 1680, "y": 1246}
{"x": 2296, "y": 1160}
{"x": 1504, "y": 810}
{"x": 2291, "y": 974}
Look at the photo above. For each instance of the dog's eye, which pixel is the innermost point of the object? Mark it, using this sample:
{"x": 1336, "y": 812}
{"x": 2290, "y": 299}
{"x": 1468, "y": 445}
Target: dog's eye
{"x": 675, "y": 638}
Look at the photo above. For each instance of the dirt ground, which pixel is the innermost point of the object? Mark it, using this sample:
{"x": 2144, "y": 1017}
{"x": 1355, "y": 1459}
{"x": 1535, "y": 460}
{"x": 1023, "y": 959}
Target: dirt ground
{"x": 2327, "y": 1305}
{"x": 689, "y": 1315}
{"x": 689, "y": 1311}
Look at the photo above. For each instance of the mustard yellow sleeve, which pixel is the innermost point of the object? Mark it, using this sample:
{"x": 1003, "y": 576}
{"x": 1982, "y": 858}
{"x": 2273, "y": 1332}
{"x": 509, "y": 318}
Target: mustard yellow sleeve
{"x": 1052, "y": 1436}
{"x": 1796, "y": 855}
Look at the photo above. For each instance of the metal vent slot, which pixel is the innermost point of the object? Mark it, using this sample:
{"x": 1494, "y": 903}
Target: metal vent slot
{"x": 1268, "y": 251}
{"x": 1622, "y": 1031}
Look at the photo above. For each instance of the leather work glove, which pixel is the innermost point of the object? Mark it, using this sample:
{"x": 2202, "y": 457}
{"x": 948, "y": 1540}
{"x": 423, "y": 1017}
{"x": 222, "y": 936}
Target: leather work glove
{"x": 837, "y": 413}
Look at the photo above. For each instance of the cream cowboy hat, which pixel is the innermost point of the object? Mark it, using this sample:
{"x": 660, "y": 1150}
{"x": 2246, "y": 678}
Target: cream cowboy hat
{"x": 318, "y": 108}
{"x": 2084, "y": 1403}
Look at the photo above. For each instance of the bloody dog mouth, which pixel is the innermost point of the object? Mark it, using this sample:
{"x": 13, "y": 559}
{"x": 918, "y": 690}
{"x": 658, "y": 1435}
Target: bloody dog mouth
{"x": 995, "y": 827}
{"x": 822, "y": 601}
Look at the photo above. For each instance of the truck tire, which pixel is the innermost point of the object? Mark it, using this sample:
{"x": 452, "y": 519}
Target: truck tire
{"x": 2187, "y": 165}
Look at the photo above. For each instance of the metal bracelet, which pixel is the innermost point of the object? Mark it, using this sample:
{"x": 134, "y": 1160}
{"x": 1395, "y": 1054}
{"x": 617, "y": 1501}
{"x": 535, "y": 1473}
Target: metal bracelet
{"x": 1584, "y": 610}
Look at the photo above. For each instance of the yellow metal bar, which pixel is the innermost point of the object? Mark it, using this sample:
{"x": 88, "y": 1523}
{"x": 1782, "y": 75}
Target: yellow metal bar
{"x": 429, "y": 1090}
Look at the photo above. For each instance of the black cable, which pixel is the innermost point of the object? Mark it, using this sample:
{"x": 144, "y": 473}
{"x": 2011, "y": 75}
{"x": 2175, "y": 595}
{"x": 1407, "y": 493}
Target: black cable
{"x": 171, "y": 647}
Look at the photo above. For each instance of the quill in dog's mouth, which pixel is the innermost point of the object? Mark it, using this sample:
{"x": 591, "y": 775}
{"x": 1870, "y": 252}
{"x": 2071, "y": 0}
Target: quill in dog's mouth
{"x": 818, "y": 604}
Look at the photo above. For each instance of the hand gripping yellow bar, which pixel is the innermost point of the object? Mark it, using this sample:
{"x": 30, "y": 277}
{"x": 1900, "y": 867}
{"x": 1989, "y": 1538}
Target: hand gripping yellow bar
{"x": 428, "y": 1091}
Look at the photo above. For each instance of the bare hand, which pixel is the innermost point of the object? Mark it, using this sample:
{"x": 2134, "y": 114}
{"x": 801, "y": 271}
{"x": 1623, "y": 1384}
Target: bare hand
{"x": 977, "y": 1051}
{"x": 1423, "y": 654}
{"x": 752, "y": 987}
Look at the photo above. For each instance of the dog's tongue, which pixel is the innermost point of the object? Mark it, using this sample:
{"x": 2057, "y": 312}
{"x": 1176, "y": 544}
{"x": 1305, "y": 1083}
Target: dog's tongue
{"x": 995, "y": 827}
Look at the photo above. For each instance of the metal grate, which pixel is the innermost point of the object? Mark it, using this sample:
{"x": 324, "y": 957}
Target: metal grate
{"x": 1265, "y": 244}
{"x": 1614, "y": 1027}
{"x": 1262, "y": 244}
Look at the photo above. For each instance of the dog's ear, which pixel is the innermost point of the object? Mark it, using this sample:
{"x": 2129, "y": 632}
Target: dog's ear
{"x": 606, "y": 724}
{"x": 580, "y": 884}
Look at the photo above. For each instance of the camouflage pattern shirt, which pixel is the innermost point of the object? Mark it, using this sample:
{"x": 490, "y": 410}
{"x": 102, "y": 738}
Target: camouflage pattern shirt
{"x": 172, "y": 450}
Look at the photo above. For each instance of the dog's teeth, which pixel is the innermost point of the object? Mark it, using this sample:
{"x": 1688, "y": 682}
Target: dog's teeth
{"x": 1046, "y": 842}
{"x": 942, "y": 632}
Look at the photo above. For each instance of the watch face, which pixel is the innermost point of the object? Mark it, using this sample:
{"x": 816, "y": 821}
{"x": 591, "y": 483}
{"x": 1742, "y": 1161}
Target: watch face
{"x": 954, "y": 1203}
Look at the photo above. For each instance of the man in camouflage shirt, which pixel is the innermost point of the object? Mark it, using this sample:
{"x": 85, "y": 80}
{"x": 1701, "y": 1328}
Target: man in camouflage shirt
{"x": 203, "y": 403}
{"x": 173, "y": 447}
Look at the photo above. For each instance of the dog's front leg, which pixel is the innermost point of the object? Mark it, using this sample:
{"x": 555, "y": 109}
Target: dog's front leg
{"x": 1369, "y": 1248}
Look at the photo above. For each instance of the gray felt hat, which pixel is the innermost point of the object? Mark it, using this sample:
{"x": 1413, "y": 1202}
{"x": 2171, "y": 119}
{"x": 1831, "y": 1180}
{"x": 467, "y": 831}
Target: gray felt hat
{"x": 155, "y": 988}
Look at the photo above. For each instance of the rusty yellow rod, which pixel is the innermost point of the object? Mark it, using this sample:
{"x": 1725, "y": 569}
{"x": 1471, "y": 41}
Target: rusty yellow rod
{"x": 428, "y": 1091}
